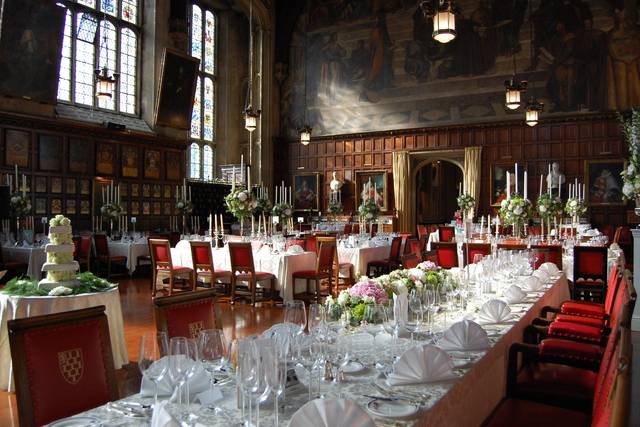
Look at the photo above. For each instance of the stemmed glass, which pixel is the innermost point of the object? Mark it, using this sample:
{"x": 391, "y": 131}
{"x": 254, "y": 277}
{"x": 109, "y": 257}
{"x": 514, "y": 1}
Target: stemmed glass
{"x": 213, "y": 352}
{"x": 247, "y": 371}
{"x": 333, "y": 317}
{"x": 306, "y": 357}
{"x": 178, "y": 363}
{"x": 265, "y": 349}
{"x": 294, "y": 312}
{"x": 415, "y": 315}
{"x": 373, "y": 319}
{"x": 316, "y": 319}
{"x": 153, "y": 346}
{"x": 392, "y": 321}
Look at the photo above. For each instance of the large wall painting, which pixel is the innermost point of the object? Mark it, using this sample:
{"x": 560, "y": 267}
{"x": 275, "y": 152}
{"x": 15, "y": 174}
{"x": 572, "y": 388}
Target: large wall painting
{"x": 374, "y": 66}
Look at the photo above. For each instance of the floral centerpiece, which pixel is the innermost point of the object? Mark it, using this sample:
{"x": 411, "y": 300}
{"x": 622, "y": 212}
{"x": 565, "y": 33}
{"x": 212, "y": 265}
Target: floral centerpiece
{"x": 335, "y": 207}
{"x": 282, "y": 211}
{"x": 240, "y": 203}
{"x": 184, "y": 207}
{"x": 548, "y": 206}
{"x": 20, "y": 204}
{"x": 427, "y": 275}
{"x": 575, "y": 208}
{"x": 355, "y": 299}
{"x": 368, "y": 210}
{"x": 467, "y": 203}
{"x": 263, "y": 206}
{"x": 110, "y": 211}
{"x": 631, "y": 175}
{"x": 515, "y": 211}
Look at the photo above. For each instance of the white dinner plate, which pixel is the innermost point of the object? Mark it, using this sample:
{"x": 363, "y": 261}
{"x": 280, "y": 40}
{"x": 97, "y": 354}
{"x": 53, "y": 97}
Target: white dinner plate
{"x": 354, "y": 367}
{"x": 77, "y": 422}
{"x": 392, "y": 408}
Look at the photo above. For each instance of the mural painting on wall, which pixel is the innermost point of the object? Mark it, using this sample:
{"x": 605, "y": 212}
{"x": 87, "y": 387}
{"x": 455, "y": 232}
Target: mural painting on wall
{"x": 375, "y": 65}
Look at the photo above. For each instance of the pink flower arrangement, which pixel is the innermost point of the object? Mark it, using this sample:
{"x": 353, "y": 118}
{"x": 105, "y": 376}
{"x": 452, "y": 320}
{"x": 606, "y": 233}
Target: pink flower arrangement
{"x": 428, "y": 266}
{"x": 369, "y": 288}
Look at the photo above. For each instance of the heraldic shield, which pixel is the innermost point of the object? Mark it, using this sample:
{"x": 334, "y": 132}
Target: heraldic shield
{"x": 71, "y": 365}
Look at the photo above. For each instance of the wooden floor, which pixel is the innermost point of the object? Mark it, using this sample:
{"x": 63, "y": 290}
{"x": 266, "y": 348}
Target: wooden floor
{"x": 238, "y": 321}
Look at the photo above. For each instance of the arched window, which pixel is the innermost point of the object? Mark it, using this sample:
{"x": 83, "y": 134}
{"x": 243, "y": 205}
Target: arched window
{"x": 203, "y": 46}
{"x": 194, "y": 156}
{"x": 100, "y": 33}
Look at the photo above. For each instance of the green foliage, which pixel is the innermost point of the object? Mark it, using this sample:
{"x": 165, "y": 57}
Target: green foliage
{"x": 29, "y": 288}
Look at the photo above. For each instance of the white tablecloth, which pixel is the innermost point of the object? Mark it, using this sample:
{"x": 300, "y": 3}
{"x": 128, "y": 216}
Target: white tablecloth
{"x": 360, "y": 257}
{"x": 34, "y": 256}
{"x": 13, "y": 307}
{"x": 131, "y": 250}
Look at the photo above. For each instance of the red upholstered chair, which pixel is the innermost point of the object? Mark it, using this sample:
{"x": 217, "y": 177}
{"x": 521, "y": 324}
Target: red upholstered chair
{"x": 186, "y": 314}
{"x": 589, "y": 273}
{"x": 446, "y": 253}
{"x": 293, "y": 242}
{"x": 422, "y": 231}
{"x": 163, "y": 267}
{"x": 446, "y": 233}
{"x": 410, "y": 260}
{"x": 373, "y": 230}
{"x": 483, "y": 249}
{"x": 548, "y": 253}
{"x": 347, "y": 229}
{"x": 204, "y": 269}
{"x": 105, "y": 260}
{"x": 63, "y": 364}
{"x": 385, "y": 266}
{"x": 310, "y": 244}
{"x": 344, "y": 272}
{"x": 324, "y": 272}
{"x": 355, "y": 229}
{"x": 243, "y": 270}
{"x": 413, "y": 246}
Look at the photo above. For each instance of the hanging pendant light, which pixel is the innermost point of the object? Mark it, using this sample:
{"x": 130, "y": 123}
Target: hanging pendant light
{"x": 105, "y": 84}
{"x": 251, "y": 119}
{"x": 444, "y": 22}
{"x": 534, "y": 108}
{"x": 251, "y": 115}
{"x": 305, "y": 135}
{"x": 514, "y": 89}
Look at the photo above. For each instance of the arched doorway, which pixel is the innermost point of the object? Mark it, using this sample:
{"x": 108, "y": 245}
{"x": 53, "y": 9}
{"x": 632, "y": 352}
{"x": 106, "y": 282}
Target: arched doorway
{"x": 437, "y": 184}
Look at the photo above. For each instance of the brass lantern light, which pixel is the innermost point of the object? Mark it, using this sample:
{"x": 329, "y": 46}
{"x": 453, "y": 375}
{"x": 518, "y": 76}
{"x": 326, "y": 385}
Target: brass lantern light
{"x": 251, "y": 119}
{"x": 105, "y": 84}
{"x": 534, "y": 108}
{"x": 514, "y": 89}
{"x": 305, "y": 135}
{"x": 444, "y": 19}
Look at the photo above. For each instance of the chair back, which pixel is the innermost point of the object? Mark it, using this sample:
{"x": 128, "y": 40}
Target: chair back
{"x": 186, "y": 314}
{"x": 293, "y": 242}
{"x": 474, "y": 249}
{"x": 394, "y": 252}
{"x": 616, "y": 236}
{"x": 326, "y": 254}
{"x": 85, "y": 246}
{"x": 548, "y": 253}
{"x": 347, "y": 229}
{"x": 422, "y": 231}
{"x": 621, "y": 302}
{"x": 201, "y": 256}
{"x": 76, "y": 246}
{"x": 174, "y": 238}
{"x": 63, "y": 364}
{"x": 160, "y": 252}
{"x": 613, "y": 286}
{"x": 373, "y": 230}
{"x": 590, "y": 262}
{"x": 410, "y": 260}
{"x": 311, "y": 244}
{"x": 102, "y": 245}
{"x": 446, "y": 233}
{"x": 241, "y": 257}
{"x": 413, "y": 246}
{"x": 355, "y": 229}
{"x": 446, "y": 253}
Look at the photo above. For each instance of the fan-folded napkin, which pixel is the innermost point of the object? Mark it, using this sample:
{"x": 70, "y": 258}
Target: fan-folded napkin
{"x": 514, "y": 294}
{"x": 494, "y": 311}
{"x": 421, "y": 365}
{"x": 464, "y": 336}
{"x": 331, "y": 413}
{"x": 532, "y": 284}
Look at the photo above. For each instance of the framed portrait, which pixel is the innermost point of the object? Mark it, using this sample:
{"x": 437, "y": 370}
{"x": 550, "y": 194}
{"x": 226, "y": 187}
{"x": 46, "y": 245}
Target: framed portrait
{"x": 129, "y": 162}
{"x": 146, "y": 208}
{"x": 135, "y": 190}
{"x": 174, "y": 165}
{"x": 156, "y": 208}
{"x": 603, "y": 182}
{"x": 124, "y": 205}
{"x": 306, "y": 192}
{"x": 124, "y": 189}
{"x": 85, "y": 207}
{"x": 152, "y": 164}
{"x": 71, "y": 206}
{"x": 372, "y": 184}
{"x": 41, "y": 206}
{"x": 135, "y": 207}
{"x": 167, "y": 191}
{"x": 56, "y": 184}
{"x": 105, "y": 158}
{"x": 85, "y": 187}
{"x": 41, "y": 184}
{"x": 56, "y": 206}
{"x": 177, "y": 88}
{"x": 498, "y": 180}
{"x": 157, "y": 191}
{"x": 78, "y": 158}
{"x": 49, "y": 153}
{"x": 167, "y": 208}
{"x": 71, "y": 186}
{"x": 16, "y": 148}
{"x": 146, "y": 190}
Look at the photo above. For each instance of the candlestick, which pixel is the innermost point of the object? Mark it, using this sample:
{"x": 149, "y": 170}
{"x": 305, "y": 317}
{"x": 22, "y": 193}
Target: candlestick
{"x": 525, "y": 185}
{"x": 540, "y": 192}
{"x": 559, "y": 190}
{"x": 508, "y": 186}
{"x": 16, "y": 183}
{"x": 233, "y": 179}
{"x": 516, "y": 177}
{"x": 584, "y": 190}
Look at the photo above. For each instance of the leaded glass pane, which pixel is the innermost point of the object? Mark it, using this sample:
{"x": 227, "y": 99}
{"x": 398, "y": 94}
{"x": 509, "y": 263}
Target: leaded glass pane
{"x": 90, "y": 3}
{"x": 128, "y": 50}
{"x": 84, "y": 59}
{"x": 194, "y": 157}
{"x": 64, "y": 79}
{"x": 196, "y": 32}
{"x": 196, "y": 121}
{"x": 207, "y": 163}
{"x": 209, "y": 36}
{"x": 208, "y": 109}
{"x": 130, "y": 10}
{"x": 107, "y": 57}
{"x": 109, "y": 6}
{"x": 87, "y": 24}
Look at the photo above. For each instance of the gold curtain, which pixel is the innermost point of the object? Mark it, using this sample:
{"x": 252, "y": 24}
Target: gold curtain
{"x": 401, "y": 190}
{"x": 472, "y": 171}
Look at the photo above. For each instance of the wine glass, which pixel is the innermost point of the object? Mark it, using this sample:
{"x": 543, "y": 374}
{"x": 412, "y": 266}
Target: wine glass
{"x": 246, "y": 371}
{"x": 295, "y": 313}
{"x": 213, "y": 351}
{"x": 316, "y": 318}
{"x": 153, "y": 346}
{"x": 178, "y": 363}
{"x": 373, "y": 319}
{"x": 333, "y": 316}
{"x": 415, "y": 314}
{"x": 276, "y": 370}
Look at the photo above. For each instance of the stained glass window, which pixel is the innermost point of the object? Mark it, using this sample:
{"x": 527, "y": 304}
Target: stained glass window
{"x": 100, "y": 33}
{"x": 203, "y": 123}
{"x": 194, "y": 159}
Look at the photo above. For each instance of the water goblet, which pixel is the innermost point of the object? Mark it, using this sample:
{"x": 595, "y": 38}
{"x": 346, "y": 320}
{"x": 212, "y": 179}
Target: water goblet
{"x": 153, "y": 346}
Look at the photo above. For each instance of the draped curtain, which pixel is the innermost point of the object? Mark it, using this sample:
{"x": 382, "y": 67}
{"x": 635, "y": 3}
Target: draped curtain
{"x": 401, "y": 190}
{"x": 472, "y": 171}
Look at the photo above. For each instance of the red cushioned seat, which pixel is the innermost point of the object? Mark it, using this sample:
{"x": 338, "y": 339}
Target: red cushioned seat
{"x": 309, "y": 274}
{"x": 583, "y": 308}
{"x": 550, "y": 379}
{"x": 555, "y": 347}
{"x": 575, "y": 331}
{"x": 572, "y": 318}
{"x": 174, "y": 268}
{"x": 509, "y": 414}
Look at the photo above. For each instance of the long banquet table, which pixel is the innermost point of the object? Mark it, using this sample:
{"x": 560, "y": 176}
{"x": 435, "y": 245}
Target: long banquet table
{"x": 33, "y": 256}
{"x": 464, "y": 401}
{"x": 16, "y": 307}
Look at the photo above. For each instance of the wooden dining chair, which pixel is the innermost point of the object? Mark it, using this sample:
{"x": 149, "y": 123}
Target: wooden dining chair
{"x": 414, "y": 246}
{"x": 205, "y": 271}
{"x": 163, "y": 268}
{"x": 187, "y": 313}
{"x": 63, "y": 364}
{"x": 344, "y": 272}
{"x": 474, "y": 249}
{"x": 106, "y": 261}
{"x": 82, "y": 251}
{"x": 385, "y": 266}
{"x": 547, "y": 253}
{"x": 589, "y": 272}
{"x": 409, "y": 260}
{"x": 446, "y": 253}
{"x": 243, "y": 270}
{"x": 422, "y": 231}
{"x": 446, "y": 233}
{"x": 323, "y": 272}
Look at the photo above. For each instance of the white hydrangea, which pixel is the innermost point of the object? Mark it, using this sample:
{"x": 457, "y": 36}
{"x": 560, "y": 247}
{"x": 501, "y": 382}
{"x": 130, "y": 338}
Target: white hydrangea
{"x": 504, "y": 203}
{"x": 573, "y": 203}
{"x": 368, "y": 300}
{"x": 60, "y": 291}
{"x": 343, "y": 298}
{"x": 542, "y": 208}
{"x": 631, "y": 169}
{"x": 417, "y": 274}
{"x": 627, "y": 189}
{"x": 517, "y": 210}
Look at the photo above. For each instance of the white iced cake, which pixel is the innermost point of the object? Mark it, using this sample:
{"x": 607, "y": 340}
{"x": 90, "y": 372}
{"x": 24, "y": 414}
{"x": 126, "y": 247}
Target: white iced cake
{"x": 60, "y": 267}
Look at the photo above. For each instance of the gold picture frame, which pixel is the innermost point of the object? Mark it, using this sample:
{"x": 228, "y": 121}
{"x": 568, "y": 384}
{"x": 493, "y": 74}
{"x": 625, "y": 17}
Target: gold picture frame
{"x": 379, "y": 180}
{"x": 306, "y": 192}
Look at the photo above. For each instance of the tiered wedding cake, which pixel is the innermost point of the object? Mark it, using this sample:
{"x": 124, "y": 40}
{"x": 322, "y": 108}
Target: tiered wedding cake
{"x": 61, "y": 268}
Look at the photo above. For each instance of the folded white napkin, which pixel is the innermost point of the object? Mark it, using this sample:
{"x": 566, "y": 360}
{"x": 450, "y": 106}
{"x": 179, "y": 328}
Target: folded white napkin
{"x": 550, "y": 268}
{"x": 331, "y": 413}
{"x": 541, "y": 274}
{"x": 532, "y": 283}
{"x": 514, "y": 294}
{"x": 421, "y": 365}
{"x": 494, "y": 311}
{"x": 295, "y": 249}
{"x": 466, "y": 336}
{"x": 198, "y": 382}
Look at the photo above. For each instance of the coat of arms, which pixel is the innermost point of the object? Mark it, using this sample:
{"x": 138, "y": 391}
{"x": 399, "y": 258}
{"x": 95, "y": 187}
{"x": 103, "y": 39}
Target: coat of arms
{"x": 71, "y": 364}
